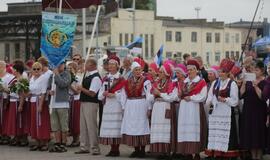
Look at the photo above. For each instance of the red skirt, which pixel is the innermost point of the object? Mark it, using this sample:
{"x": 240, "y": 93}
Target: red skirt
{"x": 74, "y": 122}
{"x": 11, "y": 126}
{"x": 40, "y": 122}
{"x": 26, "y": 117}
{"x": 4, "y": 118}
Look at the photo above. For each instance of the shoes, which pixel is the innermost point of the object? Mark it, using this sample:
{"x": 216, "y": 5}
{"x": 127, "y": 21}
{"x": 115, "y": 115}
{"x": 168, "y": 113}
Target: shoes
{"x": 113, "y": 154}
{"x": 141, "y": 154}
{"x": 134, "y": 154}
{"x": 82, "y": 152}
{"x": 74, "y": 144}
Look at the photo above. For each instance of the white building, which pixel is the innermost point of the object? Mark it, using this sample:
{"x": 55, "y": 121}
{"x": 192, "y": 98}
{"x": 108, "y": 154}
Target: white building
{"x": 210, "y": 40}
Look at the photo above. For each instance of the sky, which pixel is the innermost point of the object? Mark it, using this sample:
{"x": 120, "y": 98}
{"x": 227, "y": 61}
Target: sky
{"x": 222, "y": 10}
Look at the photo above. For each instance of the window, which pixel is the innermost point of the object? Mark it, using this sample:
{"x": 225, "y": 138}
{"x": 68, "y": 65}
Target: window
{"x": 217, "y": 37}
{"x": 7, "y": 52}
{"x": 17, "y": 50}
{"x": 178, "y": 37}
{"x": 193, "y": 54}
{"x": 131, "y": 38}
{"x": 237, "y": 37}
{"x": 232, "y": 54}
{"x": 120, "y": 39}
{"x": 237, "y": 56}
{"x": 109, "y": 40}
{"x": 168, "y": 36}
{"x": 126, "y": 39}
{"x": 208, "y": 37}
{"x": 152, "y": 46}
{"x": 217, "y": 56}
{"x": 208, "y": 57}
{"x": 193, "y": 36}
{"x": 227, "y": 37}
{"x": 179, "y": 56}
{"x": 146, "y": 46}
{"x": 168, "y": 54}
{"x": 227, "y": 54}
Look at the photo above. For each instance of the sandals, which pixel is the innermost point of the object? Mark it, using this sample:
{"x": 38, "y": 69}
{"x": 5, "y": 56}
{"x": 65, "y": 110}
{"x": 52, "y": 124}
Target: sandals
{"x": 57, "y": 148}
{"x": 23, "y": 144}
{"x": 34, "y": 148}
{"x": 74, "y": 144}
{"x": 43, "y": 148}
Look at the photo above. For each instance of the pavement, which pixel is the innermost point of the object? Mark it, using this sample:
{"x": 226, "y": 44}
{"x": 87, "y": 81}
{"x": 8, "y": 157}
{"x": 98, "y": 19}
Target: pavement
{"x": 23, "y": 153}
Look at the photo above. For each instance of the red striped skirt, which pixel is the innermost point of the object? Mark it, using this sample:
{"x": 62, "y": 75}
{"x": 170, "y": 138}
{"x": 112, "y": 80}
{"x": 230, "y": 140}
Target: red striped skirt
{"x": 26, "y": 117}
{"x": 74, "y": 122}
{"x": 110, "y": 141}
{"x": 136, "y": 141}
{"x": 11, "y": 127}
{"x": 229, "y": 154}
{"x": 160, "y": 148}
{"x": 3, "y": 115}
{"x": 40, "y": 122}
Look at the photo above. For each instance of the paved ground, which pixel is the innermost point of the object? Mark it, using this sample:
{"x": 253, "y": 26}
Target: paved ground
{"x": 18, "y": 153}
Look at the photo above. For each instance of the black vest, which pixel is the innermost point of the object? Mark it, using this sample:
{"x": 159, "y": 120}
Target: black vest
{"x": 86, "y": 83}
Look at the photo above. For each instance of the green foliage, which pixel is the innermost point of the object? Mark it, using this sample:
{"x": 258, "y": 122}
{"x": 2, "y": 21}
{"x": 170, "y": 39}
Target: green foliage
{"x": 140, "y": 4}
{"x": 21, "y": 86}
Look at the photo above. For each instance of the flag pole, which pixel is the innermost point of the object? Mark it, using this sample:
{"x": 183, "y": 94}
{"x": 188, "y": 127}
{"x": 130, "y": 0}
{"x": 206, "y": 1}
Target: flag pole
{"x": 53, "y": 86}
{"x": 93, "y": 32}
{"x": 84, "y": 31}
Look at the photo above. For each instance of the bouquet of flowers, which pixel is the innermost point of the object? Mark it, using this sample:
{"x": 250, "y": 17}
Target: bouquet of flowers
{"x": 20, "y": 86}
{"x": 1, "y": 85}
{"x": 73, "y": 77}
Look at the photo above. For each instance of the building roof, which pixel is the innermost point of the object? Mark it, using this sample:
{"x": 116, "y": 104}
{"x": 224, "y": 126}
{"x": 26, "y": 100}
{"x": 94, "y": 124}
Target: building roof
{"x": 192, "y": 23}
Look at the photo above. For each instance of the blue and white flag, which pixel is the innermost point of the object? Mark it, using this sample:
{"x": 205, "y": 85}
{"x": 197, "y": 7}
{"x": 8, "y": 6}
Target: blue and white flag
{"x": 158, "y": 57}
{"x": 57, "y": 36}
{"x": 136, "y": 46}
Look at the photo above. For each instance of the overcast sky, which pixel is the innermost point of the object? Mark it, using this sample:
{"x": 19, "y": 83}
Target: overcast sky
{"x": 223, "y": 10}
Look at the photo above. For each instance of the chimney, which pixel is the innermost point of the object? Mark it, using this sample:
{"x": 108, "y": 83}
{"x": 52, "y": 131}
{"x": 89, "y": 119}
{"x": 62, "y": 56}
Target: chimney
{"x": 265, "y": 20}
{"x": 214, "y": 20}
{"x": 241, "y": 20}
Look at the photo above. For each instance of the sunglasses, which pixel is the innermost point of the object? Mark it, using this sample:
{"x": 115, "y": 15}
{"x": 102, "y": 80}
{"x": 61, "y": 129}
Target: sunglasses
{"x": 36, "y": 69}
{"x": 75, "y": 59}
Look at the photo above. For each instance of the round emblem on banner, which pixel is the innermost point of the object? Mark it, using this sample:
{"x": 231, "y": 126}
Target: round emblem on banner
{"x": 56, "y": 38}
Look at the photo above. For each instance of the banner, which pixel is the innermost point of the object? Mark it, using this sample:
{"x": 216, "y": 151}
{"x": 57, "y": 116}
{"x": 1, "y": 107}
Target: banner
{"x": 57, "y": 36}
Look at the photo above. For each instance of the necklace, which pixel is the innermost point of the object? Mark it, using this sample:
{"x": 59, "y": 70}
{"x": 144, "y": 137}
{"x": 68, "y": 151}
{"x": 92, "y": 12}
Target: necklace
{"x": 162, "y": 84}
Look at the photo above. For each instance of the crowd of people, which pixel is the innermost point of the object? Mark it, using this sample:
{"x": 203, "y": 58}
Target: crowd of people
{"x": 178, "y": 109}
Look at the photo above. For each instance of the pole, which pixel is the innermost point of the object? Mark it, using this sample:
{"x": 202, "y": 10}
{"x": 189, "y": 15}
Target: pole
{"x": 60, "y": 7}
{"x": 84, "y": 32}
{"x": 93, "y": 33}
{"x": 249, "y": 31}
{"x": 97, "y": 47}
{"x": 133, "y": 19}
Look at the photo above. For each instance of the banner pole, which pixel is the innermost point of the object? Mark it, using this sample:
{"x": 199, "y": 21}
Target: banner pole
{"x": 60, "y": 7}
{"x": 93, "y": 33}
{"x": 84, "y": 32}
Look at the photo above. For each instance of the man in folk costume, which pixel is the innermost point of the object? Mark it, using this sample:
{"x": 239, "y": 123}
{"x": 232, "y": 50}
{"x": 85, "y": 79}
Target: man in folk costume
{"x": 162, "y": 94}
{"x": 91, "y": 84}
{"x": 192, "y": 121}
{"x": 135, "y": 126}
{"x": 5, "y": 81}
{"x": 113, "y": 83}
{"x": 223, "y": 95}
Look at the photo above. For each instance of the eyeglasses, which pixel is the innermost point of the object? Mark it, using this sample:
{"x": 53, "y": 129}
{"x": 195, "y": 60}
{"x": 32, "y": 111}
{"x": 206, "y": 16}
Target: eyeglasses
{"x": 76, "y": 59}
{"x": 36, "y": 69}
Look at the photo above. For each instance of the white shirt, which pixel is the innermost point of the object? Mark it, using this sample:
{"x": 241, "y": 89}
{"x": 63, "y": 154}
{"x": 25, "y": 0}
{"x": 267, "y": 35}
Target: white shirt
{"x": 36, "y": 88}
{"x": 5, "y": 82}
{"x": 96, "y": 82}
{"x": 77, "y": 96}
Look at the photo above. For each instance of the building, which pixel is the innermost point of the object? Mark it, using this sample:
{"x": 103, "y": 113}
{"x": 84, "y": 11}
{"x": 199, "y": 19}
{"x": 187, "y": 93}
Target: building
{"x": 210, "y": 40}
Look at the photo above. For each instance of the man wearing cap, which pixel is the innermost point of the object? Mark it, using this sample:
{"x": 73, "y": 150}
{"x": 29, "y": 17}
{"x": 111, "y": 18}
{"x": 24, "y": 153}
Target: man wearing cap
{"x": 91, "y": 84}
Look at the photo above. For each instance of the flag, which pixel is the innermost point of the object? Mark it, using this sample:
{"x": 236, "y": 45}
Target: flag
{"x": 136, "y": 46}
{"x": 57, "y": 36}
{"x": 70, "y": 4}
{"x": 158, "y": 57}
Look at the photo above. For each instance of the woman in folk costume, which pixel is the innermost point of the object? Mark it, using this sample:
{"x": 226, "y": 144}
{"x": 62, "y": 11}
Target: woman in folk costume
{"x": 152, "y": 74}
{"x": 253, "y": 118}
{"x": 110, "y": 131}
{"x": 181, "y": 73}
{"x": 192, "y": 121}
{"x": 266, "y": 96}
{"x": 40, "y": 118}
{"x": 15, "y": 108}
{"x": 135, "y": 126}
{"x": 223, "y": 95}
{"x": 162, "y": 94}
{"x": 74, "y": 119}
{"x": 6, "y": 80}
